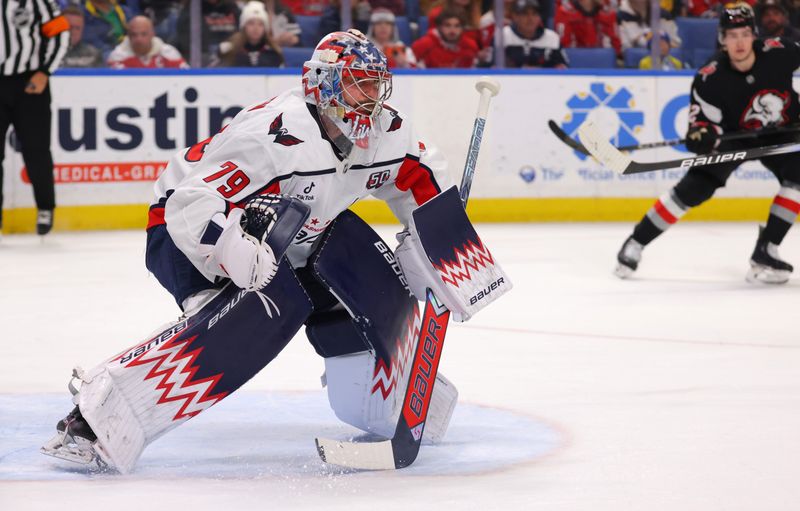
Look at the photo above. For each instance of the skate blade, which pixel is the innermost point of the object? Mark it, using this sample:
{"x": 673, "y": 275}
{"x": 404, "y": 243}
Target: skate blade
{"x": 77, "y": 450}
{"x": 623, "y": 271}
{"x": 759, "y": 274}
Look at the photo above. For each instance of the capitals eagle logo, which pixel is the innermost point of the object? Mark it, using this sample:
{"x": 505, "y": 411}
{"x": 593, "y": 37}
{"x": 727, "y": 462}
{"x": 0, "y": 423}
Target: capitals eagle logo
{"x": 282, "y": 135}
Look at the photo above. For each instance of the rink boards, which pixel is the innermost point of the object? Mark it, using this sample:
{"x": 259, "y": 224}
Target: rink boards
{"x": 114, "y": 131}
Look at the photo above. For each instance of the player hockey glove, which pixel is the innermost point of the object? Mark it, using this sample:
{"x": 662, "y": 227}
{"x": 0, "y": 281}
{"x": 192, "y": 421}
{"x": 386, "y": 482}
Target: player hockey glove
{"x": 247, "y": 260}
{"x": 702, "y": 138}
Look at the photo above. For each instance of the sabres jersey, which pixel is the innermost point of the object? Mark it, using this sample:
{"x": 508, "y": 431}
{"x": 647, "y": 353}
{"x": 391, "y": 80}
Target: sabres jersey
{"x": 280, "y": 146}
{"x": 759, "y": 98}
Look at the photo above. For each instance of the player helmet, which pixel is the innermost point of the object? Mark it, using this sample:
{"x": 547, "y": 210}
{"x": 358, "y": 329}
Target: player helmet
{"x": 347, "y": 77}
{"x": 736, "y": 15}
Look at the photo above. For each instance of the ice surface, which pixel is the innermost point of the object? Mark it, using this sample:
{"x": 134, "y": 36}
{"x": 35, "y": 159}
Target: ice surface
{"x": 678, "y": 390}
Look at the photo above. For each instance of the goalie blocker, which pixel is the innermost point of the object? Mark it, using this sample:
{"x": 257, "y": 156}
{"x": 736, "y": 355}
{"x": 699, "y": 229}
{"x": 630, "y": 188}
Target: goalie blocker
{"x": 442, "y": 251}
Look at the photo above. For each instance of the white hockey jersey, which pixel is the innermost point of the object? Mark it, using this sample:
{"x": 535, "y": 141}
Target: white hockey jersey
{"x": 280, "y": 147}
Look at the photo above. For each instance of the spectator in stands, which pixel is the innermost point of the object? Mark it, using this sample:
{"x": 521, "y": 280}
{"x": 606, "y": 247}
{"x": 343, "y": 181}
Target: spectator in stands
{"x": 527, "y": 42}
{"x": 331, "y": 19}
{"x": 773, "y": 20}
{"x": 674, "y": 7}
{"x": 487, "y": 24}
{"x": 251, "y": 46}
{"x": 220, "y": 20}
{"x": 284, "y": 29}
{"x": 704, "y": 8}
{"x": 383, "y": 32}
{"x": 634, "y": 24}
{"x": 142, "y": 49}
{"x": 445, "y": 45}
{"x": 164, "y": 14}
{"x": 472, "y": 17}
{"x": 587, "y": 24}
{"x": 794, "y": 13}
{"x": 397, "y": 7}
{"x": 105, "y": 23}
{"x": 668, "y": 62}
{"x": 80, "y": 53}
{"x": 307, "y": 7}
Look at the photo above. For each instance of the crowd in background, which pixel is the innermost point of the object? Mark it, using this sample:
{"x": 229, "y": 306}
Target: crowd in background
{"x": 440, "y": 34}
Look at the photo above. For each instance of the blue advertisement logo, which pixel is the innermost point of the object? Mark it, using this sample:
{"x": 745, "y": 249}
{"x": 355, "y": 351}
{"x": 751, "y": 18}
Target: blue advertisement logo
{"x": 527, "y": 173}
{"x": 608, "y": 108}
{"x": 668, "y": 116}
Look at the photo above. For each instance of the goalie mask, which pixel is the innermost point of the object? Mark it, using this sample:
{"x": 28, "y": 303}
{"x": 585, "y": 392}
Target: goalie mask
{"x": 348, "y": 80}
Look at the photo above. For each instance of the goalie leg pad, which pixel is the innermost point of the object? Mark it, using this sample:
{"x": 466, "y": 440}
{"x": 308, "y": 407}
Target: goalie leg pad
{"x": 368, "y": 343}
{"x": 442, "y": 251}
{"x": 352, "y": 387}
{"x": 151, "y": 388}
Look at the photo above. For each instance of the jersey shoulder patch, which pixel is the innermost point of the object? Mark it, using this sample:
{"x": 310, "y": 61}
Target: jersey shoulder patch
{"x": 282, "y": 135}
{"x": 773, "y": 43}
{"x": 709, "y": 69}
{"x": 396, "y": 120}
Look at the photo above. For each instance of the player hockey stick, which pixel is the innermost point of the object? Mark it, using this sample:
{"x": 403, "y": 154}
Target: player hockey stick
{"x": 738, "y": 135}
{"x": 598, "y": 145}
{"x": 401, "y": 450}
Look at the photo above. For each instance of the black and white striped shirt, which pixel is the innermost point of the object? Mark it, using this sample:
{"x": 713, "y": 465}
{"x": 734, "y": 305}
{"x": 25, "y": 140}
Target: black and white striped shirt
{"x": 33, "y": 36}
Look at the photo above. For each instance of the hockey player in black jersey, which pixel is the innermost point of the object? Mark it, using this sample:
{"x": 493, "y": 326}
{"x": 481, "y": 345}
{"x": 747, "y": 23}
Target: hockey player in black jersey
{"x": 746, "y": 86}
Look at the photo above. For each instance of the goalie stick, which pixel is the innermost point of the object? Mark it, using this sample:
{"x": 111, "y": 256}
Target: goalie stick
{"x": 739, "y": 135}
{"x": 598, "y": 145}
{"x": 401, "y": 450}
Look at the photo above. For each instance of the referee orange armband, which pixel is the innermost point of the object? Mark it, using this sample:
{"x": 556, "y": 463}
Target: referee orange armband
{"x": 55, "y": 26}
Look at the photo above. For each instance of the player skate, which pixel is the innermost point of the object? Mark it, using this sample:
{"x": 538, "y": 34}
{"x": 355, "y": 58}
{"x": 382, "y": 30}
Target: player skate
{"x": 628, "y": 258}
{"x": 766, "y": 265}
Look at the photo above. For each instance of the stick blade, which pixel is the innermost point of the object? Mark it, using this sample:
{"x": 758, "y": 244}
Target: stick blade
{"x": 598, "y": 145}
{"x": 358, "y": 455}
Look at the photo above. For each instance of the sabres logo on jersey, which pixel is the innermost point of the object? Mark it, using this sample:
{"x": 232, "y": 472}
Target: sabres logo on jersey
{"x": 766, "y": 108}
{"x": 282, "y": 135}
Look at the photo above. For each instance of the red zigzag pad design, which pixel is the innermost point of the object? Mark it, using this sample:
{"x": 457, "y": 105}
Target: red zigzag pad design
{"x": 469, "y": 256}
{"x": 385, "y": 378}
{"x": 176, "y": 368}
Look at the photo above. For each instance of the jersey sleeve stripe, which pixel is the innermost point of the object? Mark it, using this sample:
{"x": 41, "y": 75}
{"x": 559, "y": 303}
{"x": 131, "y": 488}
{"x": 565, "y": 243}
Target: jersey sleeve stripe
{"x": 155, "y": 216}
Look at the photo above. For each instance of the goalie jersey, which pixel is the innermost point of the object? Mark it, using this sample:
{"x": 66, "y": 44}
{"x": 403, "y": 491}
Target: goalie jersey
{"x": 280, "y": 146}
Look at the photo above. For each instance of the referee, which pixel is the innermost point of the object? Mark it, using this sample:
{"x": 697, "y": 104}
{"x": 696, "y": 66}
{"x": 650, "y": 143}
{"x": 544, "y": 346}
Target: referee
{"x": 34, "y": 36}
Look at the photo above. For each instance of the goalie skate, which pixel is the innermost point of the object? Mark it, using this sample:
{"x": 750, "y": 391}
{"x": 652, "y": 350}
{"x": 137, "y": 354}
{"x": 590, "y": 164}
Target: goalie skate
{"x": 75, "y": 446}
{"x": 74, "y": 439}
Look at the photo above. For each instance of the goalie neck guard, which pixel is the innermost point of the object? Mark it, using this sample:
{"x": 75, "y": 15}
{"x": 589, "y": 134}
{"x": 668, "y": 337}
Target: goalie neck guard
{"x": 348, "y": 80}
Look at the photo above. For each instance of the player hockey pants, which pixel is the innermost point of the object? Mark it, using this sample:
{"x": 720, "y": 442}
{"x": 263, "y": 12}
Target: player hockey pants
{"x": 172, "y": 268}
{"x": 699, "y": 185}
